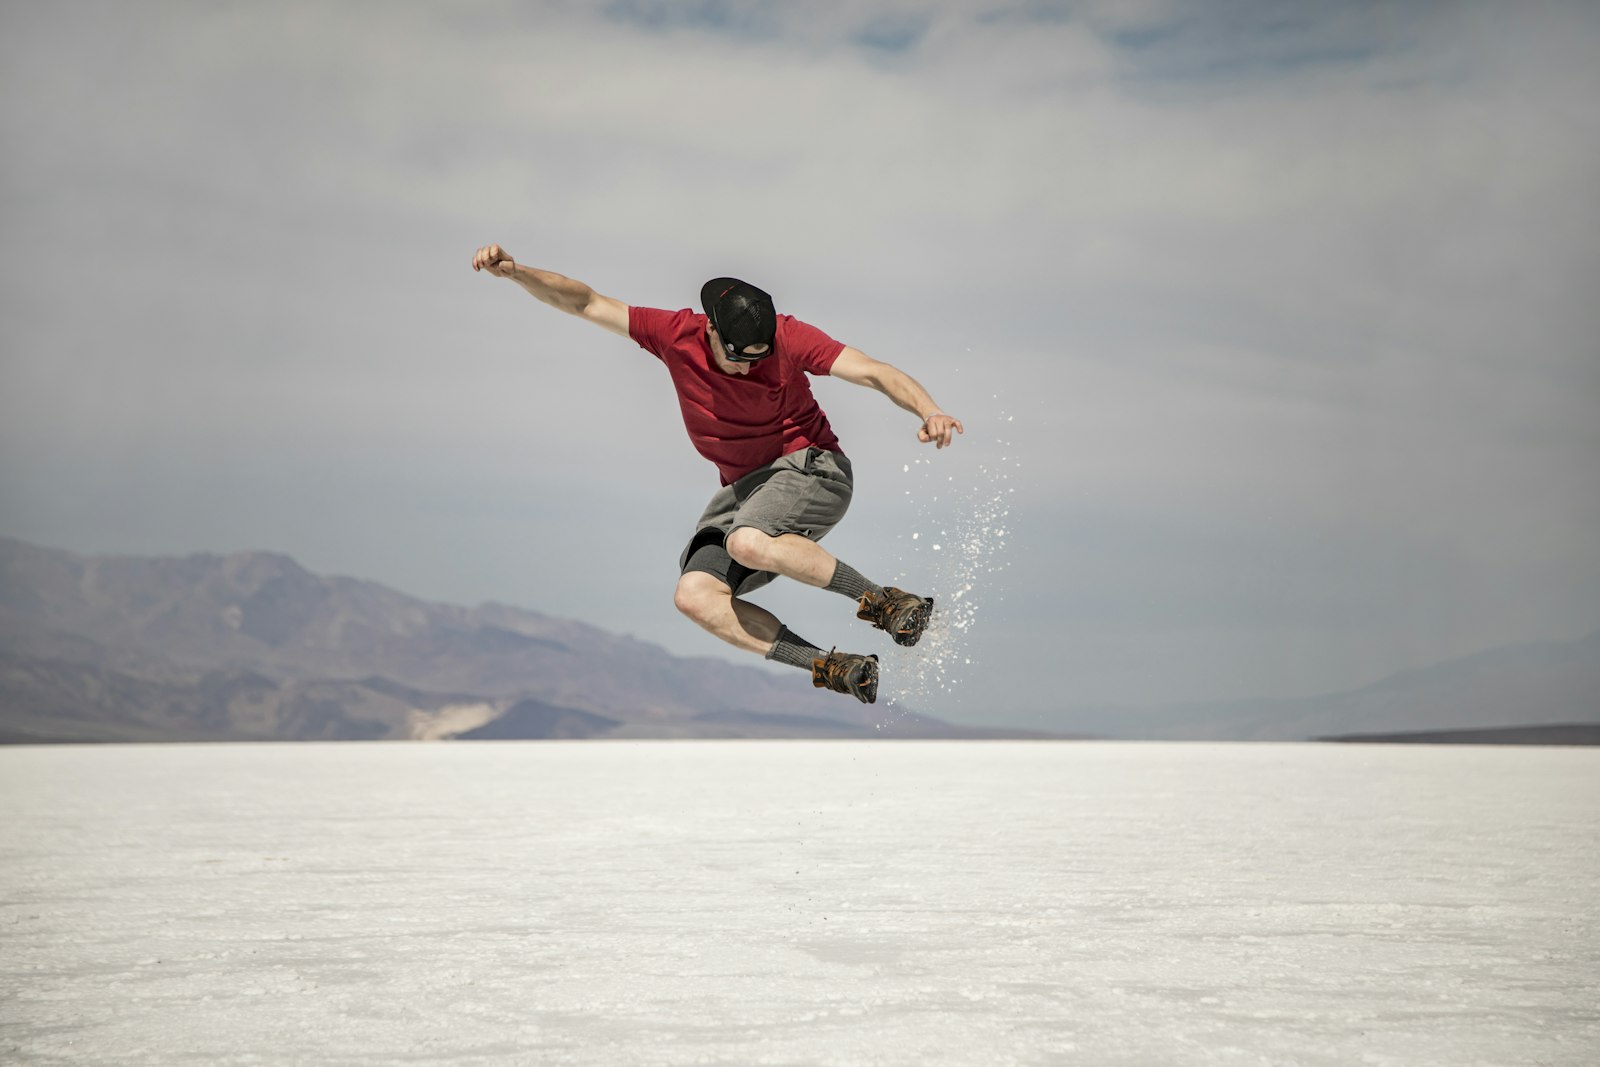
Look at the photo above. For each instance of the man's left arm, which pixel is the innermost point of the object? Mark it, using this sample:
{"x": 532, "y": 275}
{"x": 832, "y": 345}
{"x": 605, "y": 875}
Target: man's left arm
{"x": 858, "y": 368}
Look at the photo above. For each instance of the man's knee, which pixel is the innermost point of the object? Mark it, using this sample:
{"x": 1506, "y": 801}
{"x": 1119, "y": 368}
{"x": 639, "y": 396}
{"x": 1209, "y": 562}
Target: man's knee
{"x": 700, "y": 595}
{"x": 751, "y": 548}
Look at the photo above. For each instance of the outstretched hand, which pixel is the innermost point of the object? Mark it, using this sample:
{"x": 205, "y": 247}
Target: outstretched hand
{"x": 938, "y": 429}
{"x": 495, "y": 260}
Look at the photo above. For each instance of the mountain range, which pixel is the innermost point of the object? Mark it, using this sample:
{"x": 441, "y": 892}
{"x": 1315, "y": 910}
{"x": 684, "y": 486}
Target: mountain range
{"x": 252, "y": 646}
{"x": 1514, "y": 694}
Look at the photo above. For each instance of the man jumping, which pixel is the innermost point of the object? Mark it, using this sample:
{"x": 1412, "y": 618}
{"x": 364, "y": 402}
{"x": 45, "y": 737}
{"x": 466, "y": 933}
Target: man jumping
{"x": 740, "y": 373}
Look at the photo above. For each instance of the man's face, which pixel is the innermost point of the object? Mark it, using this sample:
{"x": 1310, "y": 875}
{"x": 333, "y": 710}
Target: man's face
{"x": 731, "y": 366}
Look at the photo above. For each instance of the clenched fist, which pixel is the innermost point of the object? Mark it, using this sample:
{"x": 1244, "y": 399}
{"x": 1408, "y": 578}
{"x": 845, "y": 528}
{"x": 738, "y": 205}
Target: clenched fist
{"x": 495, "y": 260}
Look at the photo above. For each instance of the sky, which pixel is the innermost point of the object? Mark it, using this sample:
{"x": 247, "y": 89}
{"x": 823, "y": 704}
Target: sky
{"x": 1273, "y": 327}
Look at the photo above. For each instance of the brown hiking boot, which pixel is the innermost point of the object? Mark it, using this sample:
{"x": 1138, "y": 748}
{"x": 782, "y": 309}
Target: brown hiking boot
{"x": 846, "y": 672}
{"x": 904, "y": 615}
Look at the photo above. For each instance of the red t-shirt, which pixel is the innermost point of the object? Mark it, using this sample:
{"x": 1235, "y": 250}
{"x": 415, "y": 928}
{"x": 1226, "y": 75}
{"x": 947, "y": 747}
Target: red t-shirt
{"x": 742, "y": 421}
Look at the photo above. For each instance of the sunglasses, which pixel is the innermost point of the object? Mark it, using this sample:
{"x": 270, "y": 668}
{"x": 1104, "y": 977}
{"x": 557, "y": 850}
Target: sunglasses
{"x": 733, "y": 355}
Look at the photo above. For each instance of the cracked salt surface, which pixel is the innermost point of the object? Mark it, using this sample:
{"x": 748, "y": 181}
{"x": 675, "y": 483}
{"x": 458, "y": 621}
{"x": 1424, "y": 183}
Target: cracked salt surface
{"x": 798, "y": 903}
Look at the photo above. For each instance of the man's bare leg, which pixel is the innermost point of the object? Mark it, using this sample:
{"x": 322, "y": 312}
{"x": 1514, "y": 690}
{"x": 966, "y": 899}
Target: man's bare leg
{"x": 790, "y": 555}
{"x": 707, "y": 600}
{"x": 904, "y": 615}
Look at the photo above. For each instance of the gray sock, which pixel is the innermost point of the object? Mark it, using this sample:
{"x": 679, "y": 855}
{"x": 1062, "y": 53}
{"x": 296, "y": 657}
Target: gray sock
{"x": 847, "y": 580}
{"x": 794, "y": 650}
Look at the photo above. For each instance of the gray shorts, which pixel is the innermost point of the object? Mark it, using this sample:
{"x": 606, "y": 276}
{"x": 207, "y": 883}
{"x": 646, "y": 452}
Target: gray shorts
{"x": 806, "y": 493}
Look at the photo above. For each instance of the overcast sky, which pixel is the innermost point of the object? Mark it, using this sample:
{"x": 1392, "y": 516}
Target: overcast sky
{"x": 1274, "y": 327}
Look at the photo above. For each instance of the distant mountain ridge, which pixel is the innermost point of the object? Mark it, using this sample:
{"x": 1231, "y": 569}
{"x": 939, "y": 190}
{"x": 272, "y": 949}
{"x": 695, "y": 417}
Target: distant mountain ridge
{"x": 1504, "y": 689}
{"x": 1567, "y": 734}
{"x": 253, "y": 646}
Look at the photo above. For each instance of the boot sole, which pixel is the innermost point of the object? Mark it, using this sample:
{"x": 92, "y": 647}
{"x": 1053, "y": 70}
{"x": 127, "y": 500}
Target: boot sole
{"x": 864, "y": 688}
{"x": 919, "y": 623}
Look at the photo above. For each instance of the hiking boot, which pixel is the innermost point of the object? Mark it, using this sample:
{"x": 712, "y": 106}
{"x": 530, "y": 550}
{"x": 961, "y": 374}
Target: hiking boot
{"x": 846, "y": 672}
{"x": 904, "y": 615}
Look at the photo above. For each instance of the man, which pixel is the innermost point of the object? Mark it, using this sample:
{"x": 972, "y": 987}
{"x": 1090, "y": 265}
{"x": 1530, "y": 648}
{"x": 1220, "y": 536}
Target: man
{"x": 740, "y": 373}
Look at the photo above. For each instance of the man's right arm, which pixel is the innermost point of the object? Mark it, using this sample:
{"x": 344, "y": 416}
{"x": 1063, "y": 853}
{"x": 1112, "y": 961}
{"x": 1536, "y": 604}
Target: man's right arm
{"x": 559, "y": 291}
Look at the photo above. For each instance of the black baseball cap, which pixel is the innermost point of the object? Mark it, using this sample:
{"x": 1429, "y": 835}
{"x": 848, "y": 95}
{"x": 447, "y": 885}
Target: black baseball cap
{"x": 742, "y": 314}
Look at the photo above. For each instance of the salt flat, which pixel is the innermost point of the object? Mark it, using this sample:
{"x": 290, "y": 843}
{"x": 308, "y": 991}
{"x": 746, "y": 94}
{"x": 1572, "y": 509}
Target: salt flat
{"x": 799, "y": 903}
